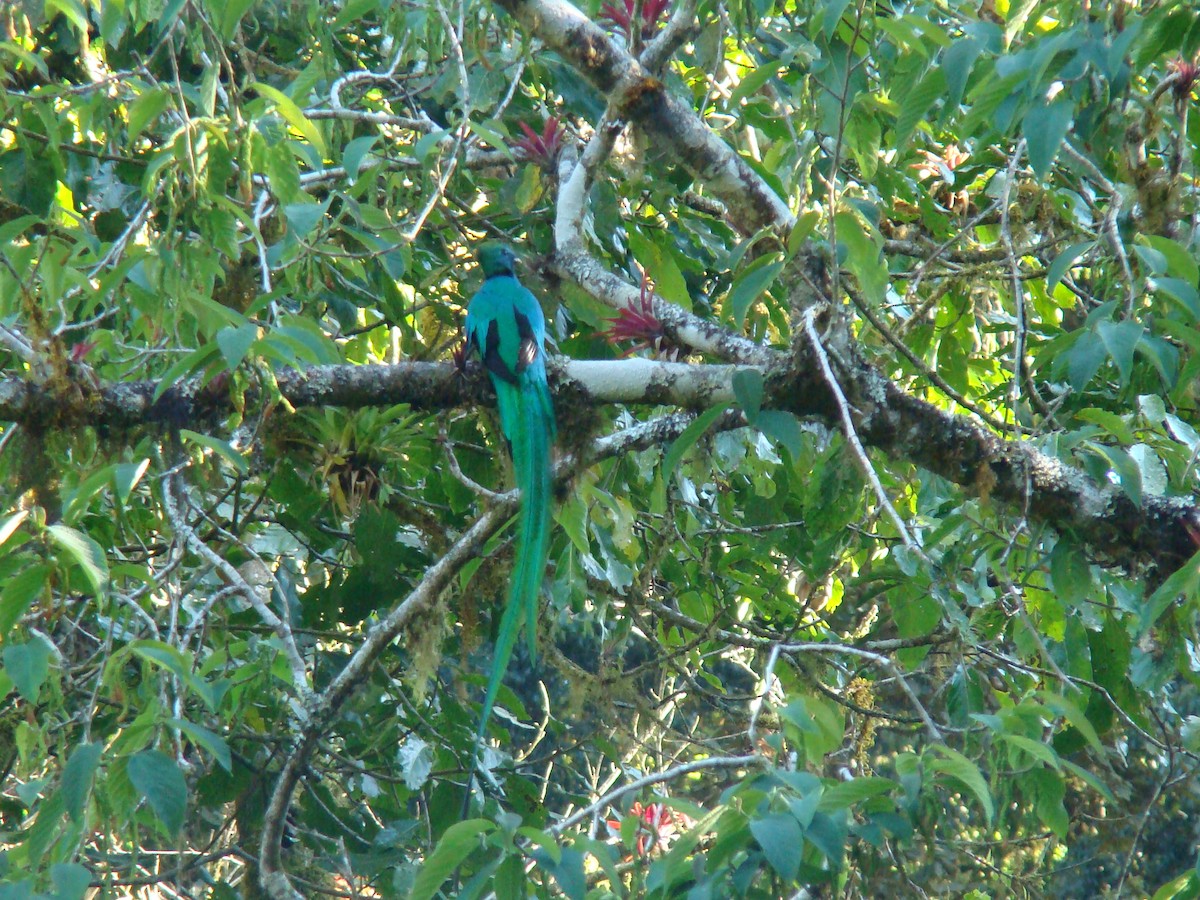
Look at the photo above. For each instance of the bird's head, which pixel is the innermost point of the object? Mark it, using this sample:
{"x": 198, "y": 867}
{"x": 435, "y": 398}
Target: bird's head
{"x": 496, "y": 258}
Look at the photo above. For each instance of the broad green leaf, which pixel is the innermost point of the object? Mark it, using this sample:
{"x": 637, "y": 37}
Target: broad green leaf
{"x": 782, "y": 843}
{"x": 845, "y": 794}
{"x": 218, "y": 446}
{"x": 568, "y": 872}
{"x": 661, "y": 267}
{"x": 1070, "y": 573}
{"x": 458, "y": 842}
{"x": 688, "y": 438}
{"x": 749, "y": 286}
{"x": 1036, "y": 749}
{"x": 805, "y": 225}
{"x": 752, "y": 82}
{"x": 1182, "y": 292}
{"x": 77, "y": 776}
{"x": 917, "y": 103}
{"x": 1064, "y": 261}
{"x": 1066, "y": 708}
{"x": 146, "y": 109}
{"x": 81, "y": 550}
{"x": 9, "y": 526}
{"x": 229, "y": 14}
{"x": 1179, "y": 262}
{"x": 71, "y": 881}
{"x": 1183, "y": 582}
{"x": 1120, "y": 339}
{"x": 864, "y": 256}
{"x": 748, "y": 389}
{"x": 19, "y": 593}
{"x": 235, "y": 343}
{"x": 783, "y": 427}
{"x": 294, "y": 116}
{"x": 191, "y": 363}
{"x": 209, "y": 740}
{"x": 161, "y": 784}
{"x": 355, "y": 152}
{"x": 1045, "y": 127}
{"x": 961, "y": 769}
{"x": 28, "y": 665}
{"x": 126, "y": 477}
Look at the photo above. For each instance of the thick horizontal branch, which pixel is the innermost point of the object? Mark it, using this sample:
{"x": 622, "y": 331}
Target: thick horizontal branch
{"x": 1160, "y": 531}
{"x": 419, "y": 384}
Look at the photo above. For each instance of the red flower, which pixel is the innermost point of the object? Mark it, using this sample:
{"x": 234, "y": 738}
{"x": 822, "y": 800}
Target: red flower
{"x": 652, "y": 11}
{"x": 542, "y": 147}
{"x": 657, "y": 826}
{"x": 1186, "y": 73}
{"x": 640, "y": 324}
{"x": 80, "y": 350}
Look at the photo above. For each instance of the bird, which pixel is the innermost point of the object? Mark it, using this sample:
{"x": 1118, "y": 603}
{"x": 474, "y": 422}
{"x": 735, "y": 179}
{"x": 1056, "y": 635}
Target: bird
{"x": 506, "y": 330}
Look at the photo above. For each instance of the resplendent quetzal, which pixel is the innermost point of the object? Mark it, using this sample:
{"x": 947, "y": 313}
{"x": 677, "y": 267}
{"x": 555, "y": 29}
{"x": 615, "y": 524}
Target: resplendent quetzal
{"x": 506, "y": 329}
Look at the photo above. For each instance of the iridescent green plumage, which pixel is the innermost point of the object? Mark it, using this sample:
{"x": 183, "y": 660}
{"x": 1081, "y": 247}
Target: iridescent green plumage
{"x": 506, "y": 329}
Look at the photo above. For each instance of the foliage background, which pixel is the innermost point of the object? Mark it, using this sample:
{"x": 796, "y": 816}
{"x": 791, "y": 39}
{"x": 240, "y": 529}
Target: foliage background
{"x": 770, "y": 659}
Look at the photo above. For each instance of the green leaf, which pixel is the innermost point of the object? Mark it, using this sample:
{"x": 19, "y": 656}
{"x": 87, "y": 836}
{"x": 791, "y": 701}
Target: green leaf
{"x": 1045, "y": 127}
{"x": 957, "y": 61}
{"x": 1070, "y": 573}
{"x": 1036, "y": 749}
{"x": 961, "y": 769}
{"x": 1183, "y": 582}
{"x": 688, "y": 437}
{"x": 660, "y": 265}
{"x": 752, "y": 82}
{"x": 71, "y": 881}
{"x": 229, "y": 13}
{"x": 355, "y": 152}
{"x": 1182, "y": 292}
{"x": 748, "y": 390}
{"x": 458, "y": 842}
{"x": 804, "y": 227}
{"x": 1084, "y": 359}
{"x": 1125, "y": 468}
{"x": 218, "y": 446}
{"x": 80, "y": 549}
{"x": 1120, "y": 340}
{"x": 568, "y": 871}
{"x": 1063, "y": 263}
{"x": 157, "y": 778}
{"x": 782, "y": 843}
{"x": 235, "y": 343}
{"x": 749, "y": 286}
{"x": 292, "y": 114}
{"x": 209, "y": 740}
{"x": 28, "y": 665}
{"x": 917, "y": 102}
{"x": 9, "y": 526}
{"x": 864, "y": 257}
{"x": 126, "y": 477}
{"x": 77, "y": 776}
{"x": 1073, "y": 714}
{"x": 783, "y": 427}
{"x": 192, "y": 362}
{"x": 303, "y": 217}
{"x": 845, "y": 794}
{"x": 19, "y": 593}
{"x": 1179, "y": 262}
{"x": 145, "y": 110}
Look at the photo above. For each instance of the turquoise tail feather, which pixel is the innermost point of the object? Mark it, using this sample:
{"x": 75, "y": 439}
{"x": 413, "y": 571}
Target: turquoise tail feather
{"x": 527, "y": 420}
